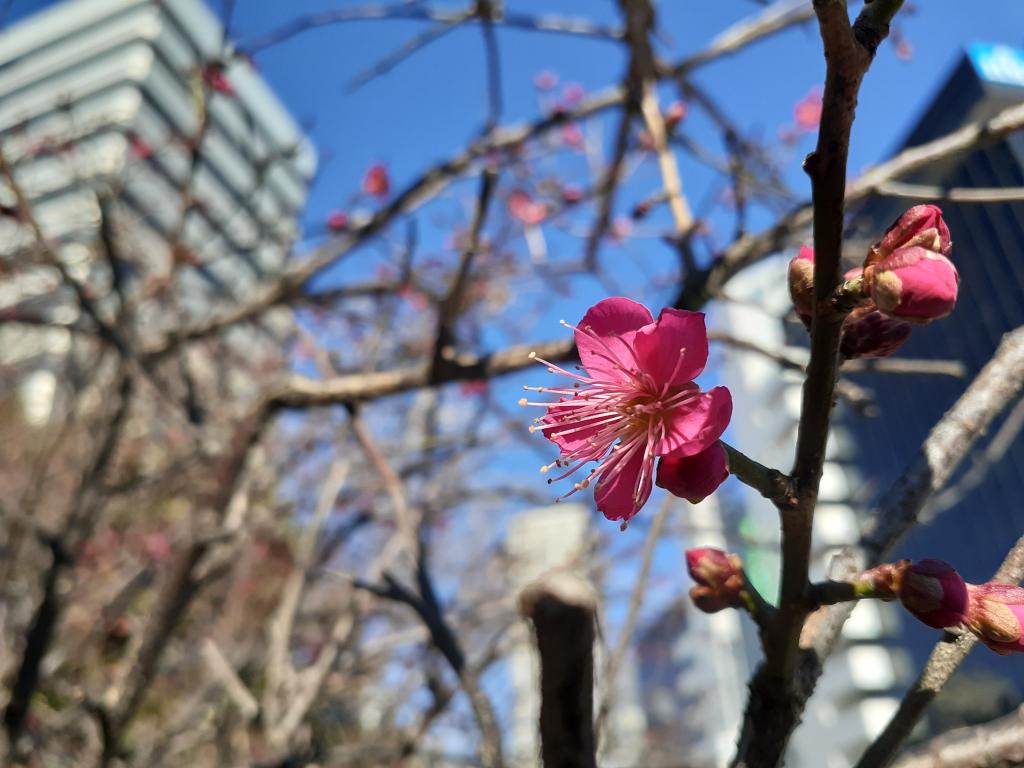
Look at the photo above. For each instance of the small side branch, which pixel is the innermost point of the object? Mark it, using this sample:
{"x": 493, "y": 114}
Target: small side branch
{"x": 945, "y": 659}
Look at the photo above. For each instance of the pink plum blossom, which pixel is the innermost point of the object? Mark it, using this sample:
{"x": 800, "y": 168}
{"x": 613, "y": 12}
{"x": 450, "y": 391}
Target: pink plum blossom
{"x": 675, "y": 114}
{"x": 377, "y": 182}
{"x": 632, "y": 401}
{"x": 572, "y": 94}
{"x": 921, "y": 225}
{"x": 696, "y": 477}
{"x": 914, "y": 284}
{"x": 807, "y": 111}
{"x": 571, "y": 194}
{"x": 934, "y": 592}
{"x": 996, "y": 616}
{"x": 868, "y": 333}
{"x": 337, "y": 221}
{"x": 572, "y": 136}
{"x": 719, "y": 577}
{"x": 216, "y": 78}
{"x": 545, "y": 80}
{"x": 525, "y": 209}
{"x": 801, "y": 284}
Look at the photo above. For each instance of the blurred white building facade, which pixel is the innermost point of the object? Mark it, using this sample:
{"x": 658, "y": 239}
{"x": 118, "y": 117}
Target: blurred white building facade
{"x": 104, "y": 100}
{"x": 541, "y": 540}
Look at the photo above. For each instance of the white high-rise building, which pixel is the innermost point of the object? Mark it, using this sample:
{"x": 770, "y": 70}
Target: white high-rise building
{"x": 137, "y": 113}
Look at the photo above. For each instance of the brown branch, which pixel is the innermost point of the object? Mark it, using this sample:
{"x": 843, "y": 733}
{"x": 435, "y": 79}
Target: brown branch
{"x": 303, "y": 392}
{"x": 774, "y": 485}
{"x": 608, "y": 186}
{"x": 945, "y": 658}
{"x": 546, "y": 23}
{"x": 451, "y": 306}
{"x": 409, "y": 47}
{"x": 945, "y": 448}
{"x": 184, "y": 582}
{"x": 951, "y": 194}
{"x": 76, "y": 528}
{"x": 775, "y": 18}
{"x": 998, "y": 744}
{"x": 562, "y": 608}
{"x": 749, "y": 249}
{"x": 435, "y": 180}
{"x": 774, "y": 705}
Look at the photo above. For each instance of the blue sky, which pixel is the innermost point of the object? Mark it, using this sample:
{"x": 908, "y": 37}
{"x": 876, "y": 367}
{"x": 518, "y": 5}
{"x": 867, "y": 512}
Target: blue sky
{"x": 427, "y": 108}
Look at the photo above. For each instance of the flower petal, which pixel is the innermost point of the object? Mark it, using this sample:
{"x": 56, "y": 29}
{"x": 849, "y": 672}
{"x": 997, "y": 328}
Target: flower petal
{"x": 675, "y": 349}
{"x": 605, "y": 334}
{"x": 572, "y": 427}
{"x": 696, "y": 477}
{"x": 693, "y": 426}
{"x": 618, "y": 497}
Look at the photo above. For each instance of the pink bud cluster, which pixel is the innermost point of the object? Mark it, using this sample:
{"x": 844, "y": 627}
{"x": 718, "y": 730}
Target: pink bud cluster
{"x": 719, "y": 577}
{"x": 906, "y": 279}
{"x": 933, "y": 592}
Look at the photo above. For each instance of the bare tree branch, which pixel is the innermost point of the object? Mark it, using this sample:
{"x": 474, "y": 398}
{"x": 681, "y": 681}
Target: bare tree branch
{"x": 562, "y": 608}
{"x": 946, "y": 657}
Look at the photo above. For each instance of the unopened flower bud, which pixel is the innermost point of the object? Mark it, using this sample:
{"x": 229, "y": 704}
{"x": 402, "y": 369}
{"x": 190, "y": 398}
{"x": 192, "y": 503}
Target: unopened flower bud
{"x": 719, "y": 578}
{"x": 882, "y": 581}
{"x": 934, "y": 592}
{"x": 675, "y": 114}
{"x": 801, "y": 284}
{"x": 337, "y": 221}
{"x": 869, "y": 333}
{"x": 996, "y": 616}
{"x": 922, "y": 226}
{"x": 913, "y": 284}
{"x": 377, "y": 181}
{"x": 571, "y": 194}
{"x": 696, "y": 477}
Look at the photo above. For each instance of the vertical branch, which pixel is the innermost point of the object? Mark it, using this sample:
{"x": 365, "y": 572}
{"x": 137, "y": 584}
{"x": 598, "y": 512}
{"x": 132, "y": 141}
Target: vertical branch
{"x": 562, "y": 608}
{"x": 279, "y": 669}
{"x": 485, "y": 11}
{"x": 776, "y": 701}
{"x": 78, "y": 523}
{"x": 183, "y": 583}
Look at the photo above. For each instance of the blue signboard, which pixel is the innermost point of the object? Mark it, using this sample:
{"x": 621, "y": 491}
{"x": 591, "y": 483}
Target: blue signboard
{"x": 998, "y": 63}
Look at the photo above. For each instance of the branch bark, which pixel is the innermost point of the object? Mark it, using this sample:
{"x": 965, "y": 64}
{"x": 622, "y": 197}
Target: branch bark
{"x": 562, "y": 608}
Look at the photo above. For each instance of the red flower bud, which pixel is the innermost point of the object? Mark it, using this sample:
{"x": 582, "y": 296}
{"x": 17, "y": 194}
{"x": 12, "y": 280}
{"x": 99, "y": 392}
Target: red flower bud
{"x": 675, "y": 114}
{"x": 545, "y": 80}
{"x": 869, "y": 333}
{"x": 719, "y": 578}
{"x": 696, "y": 477}
{"x": 215, "y": 77}
{"x": 571, "y": 194}
{"x": 801, "y": 284}
{"x": 522, "y": 207}
{"x": 914, "y": 284}
{"x": 996, "y": 616}
{"x": 807, "y": 111}
{"x": 934, "y": 592}
{"x": 376, "y": 181}
{"x": 337, "y": 221}
{"x": 921, "y": 225}
{"x": 572, "y": 136}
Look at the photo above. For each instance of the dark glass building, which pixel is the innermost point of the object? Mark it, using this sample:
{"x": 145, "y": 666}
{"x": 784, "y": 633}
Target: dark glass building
{"x": 975, "y": 532}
